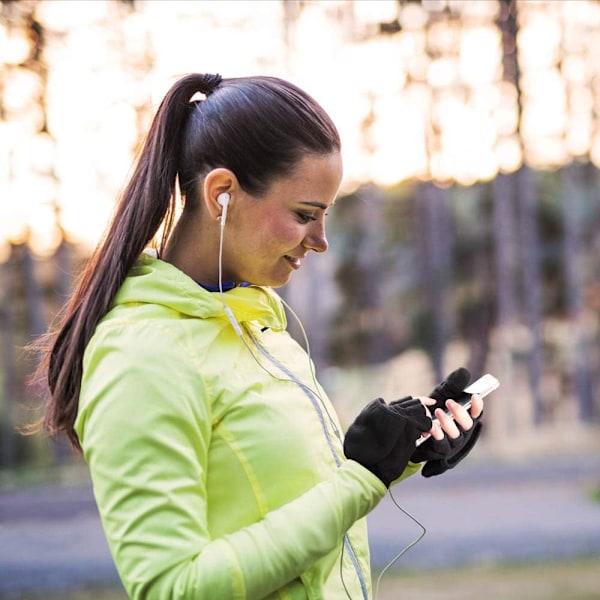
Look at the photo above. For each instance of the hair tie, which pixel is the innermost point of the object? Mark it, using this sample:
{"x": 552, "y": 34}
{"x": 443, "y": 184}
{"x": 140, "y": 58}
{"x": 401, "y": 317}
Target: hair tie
{"x": 209, "y": 83}
{"x": 203, "y": 86}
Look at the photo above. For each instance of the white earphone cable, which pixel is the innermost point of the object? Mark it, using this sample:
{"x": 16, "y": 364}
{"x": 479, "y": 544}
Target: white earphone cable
{"x": 226, "y": 308}
{"x": 412, "y": 517}
{"x": 406, "y": 548}
{"x": 323, "y": 404}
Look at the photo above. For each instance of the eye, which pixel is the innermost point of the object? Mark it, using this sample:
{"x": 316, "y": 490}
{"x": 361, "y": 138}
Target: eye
{"x": 305, "y": 218}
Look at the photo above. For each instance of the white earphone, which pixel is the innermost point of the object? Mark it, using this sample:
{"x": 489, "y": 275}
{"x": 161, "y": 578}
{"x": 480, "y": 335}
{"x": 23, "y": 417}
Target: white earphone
{"x": 223, "y": 199}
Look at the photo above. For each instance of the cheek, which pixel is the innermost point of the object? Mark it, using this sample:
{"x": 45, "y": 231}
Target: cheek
{"x": 277, "y": 233}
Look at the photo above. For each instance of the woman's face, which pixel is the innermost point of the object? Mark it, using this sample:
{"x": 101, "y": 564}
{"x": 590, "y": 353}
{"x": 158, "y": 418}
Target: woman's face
{"x": 267, "y": 238}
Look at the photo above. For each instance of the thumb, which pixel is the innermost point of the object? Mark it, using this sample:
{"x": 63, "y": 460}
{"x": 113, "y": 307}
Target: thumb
{"x": 452, "y": 386}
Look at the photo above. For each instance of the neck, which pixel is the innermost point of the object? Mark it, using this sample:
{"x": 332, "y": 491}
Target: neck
{"x": 194, "y": 249}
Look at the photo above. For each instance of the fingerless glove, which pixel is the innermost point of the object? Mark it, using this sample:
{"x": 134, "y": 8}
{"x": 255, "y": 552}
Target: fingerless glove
{"x": 382, "y": 437}
{"x": 444, "y": 454}
{"x": 451, "y": 388}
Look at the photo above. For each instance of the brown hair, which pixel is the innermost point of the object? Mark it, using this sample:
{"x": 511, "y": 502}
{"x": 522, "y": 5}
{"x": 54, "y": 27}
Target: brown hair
{"x": 258, "y": 127}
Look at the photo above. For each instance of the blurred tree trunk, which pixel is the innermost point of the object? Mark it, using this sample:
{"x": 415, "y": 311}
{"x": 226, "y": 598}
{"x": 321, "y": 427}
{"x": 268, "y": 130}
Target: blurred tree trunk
{"x": 504, "y": 222}
{"x": 470, "y": 281}
{"x": 62, "y": 284}
{"x": 505, "y": 276}
{"x": 525, "y": 193}
{"x": 573, "y": 216}
{"x": 434, "y": 245}
{"x": 36, "y": 320}
{"x": 8, "y": 453}
{"x": 370, "y": 265}
{"x": 63, "y": 278}
{"x": 531, "y": 283}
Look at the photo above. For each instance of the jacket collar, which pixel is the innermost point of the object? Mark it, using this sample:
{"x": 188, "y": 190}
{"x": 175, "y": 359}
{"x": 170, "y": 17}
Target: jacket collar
{"x": 154, "y": 281}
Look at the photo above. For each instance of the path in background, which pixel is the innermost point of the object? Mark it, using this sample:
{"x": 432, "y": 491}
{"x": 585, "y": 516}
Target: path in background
{"x": 484, "y": 513}
{"x": 481, "y": 513}
{"x": 548, "y": 581}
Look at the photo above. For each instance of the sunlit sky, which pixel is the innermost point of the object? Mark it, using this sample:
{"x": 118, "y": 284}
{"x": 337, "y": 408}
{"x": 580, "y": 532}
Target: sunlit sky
{"x": 428, "y": 102}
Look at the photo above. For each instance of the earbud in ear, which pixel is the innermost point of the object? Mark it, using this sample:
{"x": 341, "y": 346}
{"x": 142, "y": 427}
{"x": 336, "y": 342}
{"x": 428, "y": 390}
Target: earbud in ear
{"x": 223, "y": 199}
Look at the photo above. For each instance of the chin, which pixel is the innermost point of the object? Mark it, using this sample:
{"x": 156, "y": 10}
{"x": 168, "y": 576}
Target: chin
{"x": 275, "y": 282}
{"x": 271, "y": 284}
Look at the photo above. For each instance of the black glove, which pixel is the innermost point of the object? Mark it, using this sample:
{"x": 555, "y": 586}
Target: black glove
{"x": 382, "y": 437}
{"x": 444, "y": 454}
{"x": 451, "y": 388}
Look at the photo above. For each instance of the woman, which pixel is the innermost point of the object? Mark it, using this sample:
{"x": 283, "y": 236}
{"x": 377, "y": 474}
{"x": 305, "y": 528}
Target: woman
{"x": 218, "y": 464}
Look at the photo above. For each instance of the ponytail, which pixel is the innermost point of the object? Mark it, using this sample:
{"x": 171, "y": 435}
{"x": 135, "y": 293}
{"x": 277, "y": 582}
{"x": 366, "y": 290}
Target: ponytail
{"x": 146, "y": 203}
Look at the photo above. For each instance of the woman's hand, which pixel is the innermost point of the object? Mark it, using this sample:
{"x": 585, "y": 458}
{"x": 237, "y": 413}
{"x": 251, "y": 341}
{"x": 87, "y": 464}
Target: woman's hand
{"x": 452, "y": 436}
{"x": 383, "y": 436}
{"x": 443, "y": 424}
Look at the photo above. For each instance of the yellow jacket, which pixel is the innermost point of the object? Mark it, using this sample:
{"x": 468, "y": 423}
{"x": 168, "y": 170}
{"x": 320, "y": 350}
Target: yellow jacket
{"x": 217, "y": 462}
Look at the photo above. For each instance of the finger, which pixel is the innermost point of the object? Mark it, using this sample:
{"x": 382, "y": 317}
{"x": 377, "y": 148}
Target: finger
{"x": 452, "y": 385}
{"x": 436, "y": 431}
{"x": 447, "y": 423}
{"x": 476, "y": 406}
{"x": 427, "y": 402}
{"x": 460, "y": 414}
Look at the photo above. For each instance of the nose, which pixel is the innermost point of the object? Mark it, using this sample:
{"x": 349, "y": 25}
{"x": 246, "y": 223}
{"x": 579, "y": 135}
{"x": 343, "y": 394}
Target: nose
{"x": 315, "y": 238}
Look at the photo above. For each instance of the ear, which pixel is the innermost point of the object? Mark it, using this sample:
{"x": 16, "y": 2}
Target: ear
{"x": 216, "y": 182}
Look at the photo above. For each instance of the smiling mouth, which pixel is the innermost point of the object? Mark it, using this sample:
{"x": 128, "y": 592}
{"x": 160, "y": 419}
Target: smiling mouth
{"x": 295, "y": 262}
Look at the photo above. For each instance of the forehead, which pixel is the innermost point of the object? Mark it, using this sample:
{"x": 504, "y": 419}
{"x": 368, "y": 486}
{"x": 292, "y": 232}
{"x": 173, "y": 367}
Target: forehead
{"x": 316, "y": 171}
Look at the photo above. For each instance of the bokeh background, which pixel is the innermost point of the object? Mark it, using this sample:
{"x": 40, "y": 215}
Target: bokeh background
{"x": 468, "y": 226}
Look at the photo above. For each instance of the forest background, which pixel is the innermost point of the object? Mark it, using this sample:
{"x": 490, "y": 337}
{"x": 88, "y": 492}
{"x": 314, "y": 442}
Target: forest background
{"x": 467, "y": 231}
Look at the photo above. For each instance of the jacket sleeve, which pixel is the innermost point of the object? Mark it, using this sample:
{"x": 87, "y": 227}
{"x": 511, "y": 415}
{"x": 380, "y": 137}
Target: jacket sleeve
{"x": 145, "y": 431}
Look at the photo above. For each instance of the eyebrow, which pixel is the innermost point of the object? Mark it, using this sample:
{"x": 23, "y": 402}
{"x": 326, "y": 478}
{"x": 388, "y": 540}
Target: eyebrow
{"x": 318, "y": 204}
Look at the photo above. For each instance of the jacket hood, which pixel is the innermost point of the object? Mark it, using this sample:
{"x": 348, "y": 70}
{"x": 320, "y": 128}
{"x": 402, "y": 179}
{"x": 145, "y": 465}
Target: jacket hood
{"x": 154, "y": 281}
